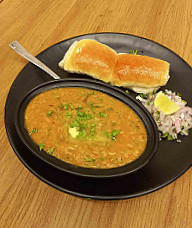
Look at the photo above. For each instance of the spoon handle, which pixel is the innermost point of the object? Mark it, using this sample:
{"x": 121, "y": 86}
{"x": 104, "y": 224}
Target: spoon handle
{"x": 16, "y": 46}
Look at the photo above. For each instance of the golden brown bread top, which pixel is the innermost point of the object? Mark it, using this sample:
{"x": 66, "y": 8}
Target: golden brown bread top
{"x": 138, "y": 70}
{"x": 92, "y": 58}
{"x": 128, "y": 70}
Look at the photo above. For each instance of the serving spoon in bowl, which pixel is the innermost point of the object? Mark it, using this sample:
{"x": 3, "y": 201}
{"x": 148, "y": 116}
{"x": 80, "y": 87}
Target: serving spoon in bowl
{"x": 16, "y": 46}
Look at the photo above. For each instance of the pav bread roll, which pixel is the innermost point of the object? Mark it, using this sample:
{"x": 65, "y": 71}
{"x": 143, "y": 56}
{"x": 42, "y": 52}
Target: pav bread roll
{"x": 92, "y": 58}
{"x": 140, "y": 73}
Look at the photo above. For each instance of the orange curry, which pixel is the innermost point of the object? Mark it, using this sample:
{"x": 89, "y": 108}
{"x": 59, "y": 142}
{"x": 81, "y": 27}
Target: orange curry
{"x": 85, "y": 127}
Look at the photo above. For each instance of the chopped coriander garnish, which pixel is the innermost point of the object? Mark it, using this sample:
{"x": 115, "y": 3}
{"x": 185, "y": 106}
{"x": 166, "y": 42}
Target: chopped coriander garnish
{"x": 164, "y": 135}
{"x": 50, "y": 150}
{"x": 109, "y": 109}
{"x": 79, "y": 108}
{"x": 83, "y": 126}
{"x": 93, "y": 106}
{"x": 151, "y": 94}
{"x": 33, "y": 131}
{"x": 82, "y": 134}
{"x": 111, "y": 135}
{"x": 170, "y": 137}
{"x": 102, "y": 114}
{"x": 92, "y": 130}
{"x": 127, "y": 91}
{"x": 75, "y": 123}
{"x": 49, "y": 113}
{"x": 148, "y": 103}
{"x": 178, "y": 94}
{"x": 78, "y": 96}
{"x": 41, "y": 146}
{"x": 114, "y": 134}
{"x": 89, "y": 159}
{"x": 101, "y": 159}
{"x": 83, "y": 116}
{"x": 142, "y": 95}
{"x": 64, "y": 106}
{"x": 113, "y": 124}
{"x": 133, "y": 51}
{"x": 158, "y": 114}
{"x": 71, "y": 106}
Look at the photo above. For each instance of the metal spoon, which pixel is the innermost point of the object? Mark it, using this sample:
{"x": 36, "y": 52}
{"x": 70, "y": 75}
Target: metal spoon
{"x": 16, "y": 46}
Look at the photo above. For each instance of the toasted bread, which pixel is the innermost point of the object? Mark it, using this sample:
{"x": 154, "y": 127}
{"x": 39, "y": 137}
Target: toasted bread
{"x": 137, "y": 72}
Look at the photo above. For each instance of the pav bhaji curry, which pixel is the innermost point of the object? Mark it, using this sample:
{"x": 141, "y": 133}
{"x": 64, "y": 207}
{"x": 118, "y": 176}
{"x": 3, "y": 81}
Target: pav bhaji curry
{"x": 85, "y": 127}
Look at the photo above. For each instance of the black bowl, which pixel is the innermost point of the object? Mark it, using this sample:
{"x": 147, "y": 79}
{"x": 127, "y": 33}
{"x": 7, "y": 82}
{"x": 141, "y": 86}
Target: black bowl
{"x": 140, "y": 110}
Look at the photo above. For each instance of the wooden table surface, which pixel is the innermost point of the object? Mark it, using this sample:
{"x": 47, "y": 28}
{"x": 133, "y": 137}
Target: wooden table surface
{"x": 25, "y": 201}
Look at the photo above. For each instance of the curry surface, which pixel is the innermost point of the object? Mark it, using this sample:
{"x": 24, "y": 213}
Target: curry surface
{"x": 86, "y": 128}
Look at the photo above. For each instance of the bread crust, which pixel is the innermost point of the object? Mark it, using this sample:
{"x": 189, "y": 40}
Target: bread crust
{"x": 140, "y": 71}
{"x": 92, "y": 58}
{"x": 137, "y": 72}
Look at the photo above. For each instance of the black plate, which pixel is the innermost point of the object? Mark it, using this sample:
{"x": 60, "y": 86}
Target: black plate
{"x": 171, "y": 160}
{"x": 137, "y": 107}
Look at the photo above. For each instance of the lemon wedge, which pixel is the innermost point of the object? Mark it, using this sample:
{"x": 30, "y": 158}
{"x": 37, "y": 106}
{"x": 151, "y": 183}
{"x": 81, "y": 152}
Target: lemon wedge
{"x": 164, "y": 104}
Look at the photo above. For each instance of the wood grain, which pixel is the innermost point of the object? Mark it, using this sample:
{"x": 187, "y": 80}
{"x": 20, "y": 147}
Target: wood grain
{"x": 25, "y": 201}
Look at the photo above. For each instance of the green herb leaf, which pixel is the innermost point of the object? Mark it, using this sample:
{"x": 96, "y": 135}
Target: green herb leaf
{"x": 41, "y": 146}
{"x": 51, "y": 150}
{"x": 89, "y": 159}
{"x": 33, "y": 131}
{"x": 79, "y": 108}
{"x": 49, "y": 113}
{"x": 78, "y": 96}
{"x": 127, "y": 91}
{"x": 115, "y": 132}
{"x": 64, "y": 106}
{"x": 133, "y": 51}
{"x": 164, "y": 135}
{"x": 102, "y": 114}
{"x": 151, "y": 94}
{"x": 82, "y": 134}
{"x": 170, "y": 137}
{"x": 92, "y": 131}
{"x": 178, "y": 94}
{"x": 148, "y": 102}
{"x": 71, "y": 106}
{"x": 83, "y": 126}
{"x": 83, "y": 116}
{"x": 142, "y": 95}
{"x": 91, "y": 105}
{"x": 75, "y": 123}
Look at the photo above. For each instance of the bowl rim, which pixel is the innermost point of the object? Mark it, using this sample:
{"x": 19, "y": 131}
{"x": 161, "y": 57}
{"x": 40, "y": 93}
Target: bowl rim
{"x": 110, "y": 90}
